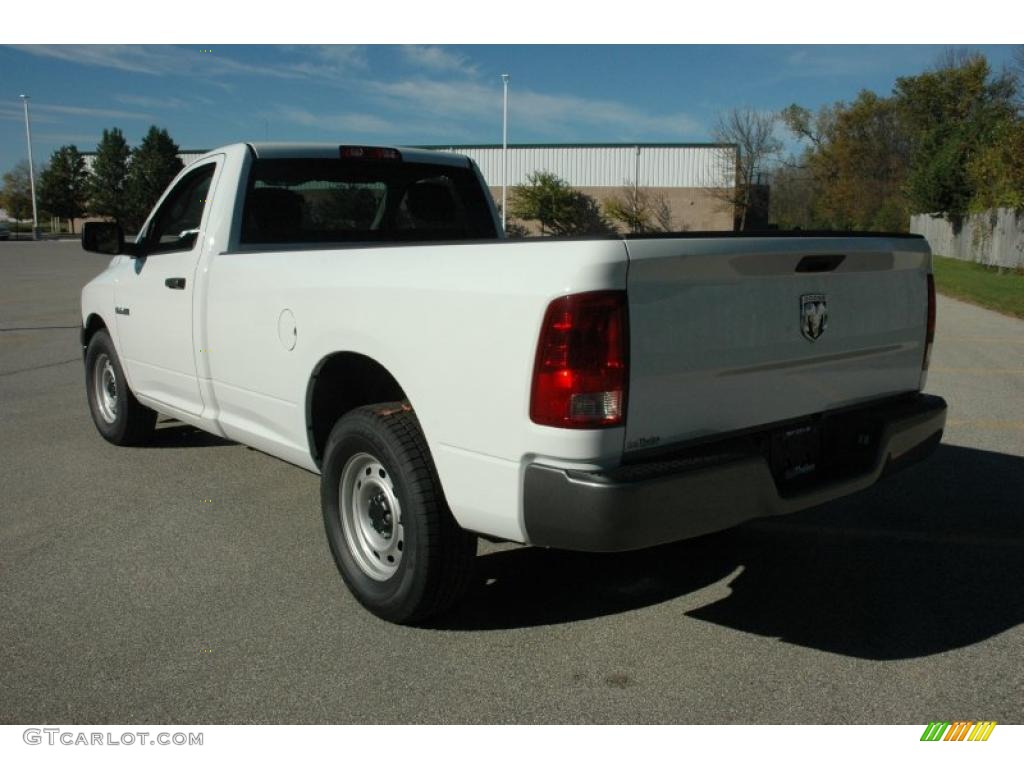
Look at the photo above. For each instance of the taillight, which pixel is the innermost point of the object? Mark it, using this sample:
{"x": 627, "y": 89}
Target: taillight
{"x": 369, "y": 153}
{"x": 581, "y": 372}
{"x": 929, "y": 335}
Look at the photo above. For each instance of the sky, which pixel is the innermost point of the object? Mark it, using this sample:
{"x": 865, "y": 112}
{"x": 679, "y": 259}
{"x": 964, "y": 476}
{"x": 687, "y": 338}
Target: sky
{"x": 206, "y": 96}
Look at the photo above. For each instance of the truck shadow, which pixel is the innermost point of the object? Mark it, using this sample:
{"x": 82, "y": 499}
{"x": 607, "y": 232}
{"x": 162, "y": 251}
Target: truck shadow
{"x": 171, "y": 433}
{"x": 929, "y": 560}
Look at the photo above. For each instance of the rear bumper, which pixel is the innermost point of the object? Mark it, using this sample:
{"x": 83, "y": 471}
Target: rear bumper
{"x": 642, "y": 505}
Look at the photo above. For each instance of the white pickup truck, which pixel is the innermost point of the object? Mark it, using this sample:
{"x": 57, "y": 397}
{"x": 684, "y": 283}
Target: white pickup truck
{"x": 357, "y": 311}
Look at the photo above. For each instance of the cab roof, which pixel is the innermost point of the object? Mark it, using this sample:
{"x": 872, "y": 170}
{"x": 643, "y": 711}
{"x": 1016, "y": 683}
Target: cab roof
{"x": 283, "y": 150}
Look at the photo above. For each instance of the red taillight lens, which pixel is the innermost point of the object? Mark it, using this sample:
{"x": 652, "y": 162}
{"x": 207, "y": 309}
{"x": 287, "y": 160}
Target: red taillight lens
{"x": 930, "y": 328}
{"x": 581, "y": 374}
{"x": 369, "y": 153}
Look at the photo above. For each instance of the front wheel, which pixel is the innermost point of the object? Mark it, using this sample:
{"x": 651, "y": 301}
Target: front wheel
{"x": 118, "y": 416}
{"x": 395, "y": 542}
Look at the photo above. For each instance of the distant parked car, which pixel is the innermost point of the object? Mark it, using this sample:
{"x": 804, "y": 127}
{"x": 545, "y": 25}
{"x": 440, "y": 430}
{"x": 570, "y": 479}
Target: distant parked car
{"x": 5, "y": 231}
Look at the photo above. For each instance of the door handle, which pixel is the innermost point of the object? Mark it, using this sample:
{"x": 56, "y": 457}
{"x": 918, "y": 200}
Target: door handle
{"x": 177, "y": 283}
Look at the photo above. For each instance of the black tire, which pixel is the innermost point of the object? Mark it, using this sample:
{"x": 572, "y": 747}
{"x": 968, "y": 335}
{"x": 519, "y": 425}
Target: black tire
{"x": 435, "y": 556}
{"x": 132, "y": 423}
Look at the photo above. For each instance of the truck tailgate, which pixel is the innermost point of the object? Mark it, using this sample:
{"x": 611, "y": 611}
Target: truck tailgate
{"x": 729, "y": 333}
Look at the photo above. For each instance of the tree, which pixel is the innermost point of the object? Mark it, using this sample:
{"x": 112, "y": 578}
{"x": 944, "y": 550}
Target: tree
{"x": 945, "y": 142}
{"x": 109, "y": 190}
{"x": 807, "y": 126}
{"x": 856, "y": 161}
{"x": 955, "y": 56}
{"x": 951, "y": 114}
{"x": 1017, "y": 70}
{"x": 154, "y": 163}
{"x": 997, "y": 172}
{"x": 585, "y": 217}
{"x": 513, "y": 228}
{"x": 795, "y": 197}
{"x": 753, "y": 133}
{"x": 64, "y": 184}
{"x": 557, "y": 206}
{"x": 16, "y": 196}
{"x": 639, "y": 210}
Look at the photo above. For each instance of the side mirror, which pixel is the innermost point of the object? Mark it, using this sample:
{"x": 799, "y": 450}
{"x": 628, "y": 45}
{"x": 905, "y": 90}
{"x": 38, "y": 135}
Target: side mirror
{"x": 103, "y": 237}
{"x": 106, "y": 237}
{"x": 187, "y": 238}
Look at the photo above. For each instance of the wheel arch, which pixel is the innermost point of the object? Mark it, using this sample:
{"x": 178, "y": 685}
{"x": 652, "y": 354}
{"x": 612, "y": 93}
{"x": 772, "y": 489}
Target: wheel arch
{"x": 340, "y": 382}
{"x": 93, "y": 324}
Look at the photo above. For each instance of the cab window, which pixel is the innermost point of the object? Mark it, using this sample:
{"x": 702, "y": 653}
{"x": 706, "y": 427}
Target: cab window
{"x": 176, "y": 225}
{"x": 314, "y": 200}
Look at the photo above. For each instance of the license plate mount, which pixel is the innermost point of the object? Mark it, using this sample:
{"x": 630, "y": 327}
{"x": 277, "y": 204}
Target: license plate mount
{"x": 796, "y": 453}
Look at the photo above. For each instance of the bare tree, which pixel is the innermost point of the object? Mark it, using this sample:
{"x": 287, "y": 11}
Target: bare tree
{"x": 753, "y": 134}
{"x": 639, "y": 209}
{"x": 15, "y": 195}
{"x": 1017, "y": 70}
{"x": 662, "y": 213}
{"x": 954, "y": 57}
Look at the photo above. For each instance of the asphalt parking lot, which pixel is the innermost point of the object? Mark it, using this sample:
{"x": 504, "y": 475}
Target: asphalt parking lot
{"x": 190, "y": 582}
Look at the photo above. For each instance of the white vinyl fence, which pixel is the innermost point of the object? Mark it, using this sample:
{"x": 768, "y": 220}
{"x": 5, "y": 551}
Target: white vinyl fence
{"x": 995, "y": 237}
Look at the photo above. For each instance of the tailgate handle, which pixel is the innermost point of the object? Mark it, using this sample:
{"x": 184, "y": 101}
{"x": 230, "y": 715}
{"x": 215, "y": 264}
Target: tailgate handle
{"x": 820, "y": 263}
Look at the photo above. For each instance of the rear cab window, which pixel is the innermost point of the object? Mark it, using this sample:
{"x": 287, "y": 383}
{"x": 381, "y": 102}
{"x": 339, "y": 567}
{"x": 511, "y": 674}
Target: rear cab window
{"x": 348, "y": 200}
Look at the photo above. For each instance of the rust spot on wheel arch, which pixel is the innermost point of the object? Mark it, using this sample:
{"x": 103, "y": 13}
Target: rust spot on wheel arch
{"x": 390, "y": 411}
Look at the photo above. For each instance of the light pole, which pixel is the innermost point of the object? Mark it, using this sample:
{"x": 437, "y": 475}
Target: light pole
{"x": 504, "y": 151}
{"x": 31, "y": 170}
{"x": 636, "y": 185}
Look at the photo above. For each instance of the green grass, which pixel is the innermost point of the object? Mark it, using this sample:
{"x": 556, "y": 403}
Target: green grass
{"x": 981, "y": 285}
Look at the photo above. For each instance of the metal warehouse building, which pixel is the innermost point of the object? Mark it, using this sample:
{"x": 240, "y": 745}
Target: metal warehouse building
{"x": 687, "y": 176}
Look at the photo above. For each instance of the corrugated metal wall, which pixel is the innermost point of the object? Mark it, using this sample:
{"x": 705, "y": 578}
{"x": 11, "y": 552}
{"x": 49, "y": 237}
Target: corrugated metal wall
{"x": 190, "y": 157}
{"x": 187, "y": 157}
{"x": 691, "y": 166}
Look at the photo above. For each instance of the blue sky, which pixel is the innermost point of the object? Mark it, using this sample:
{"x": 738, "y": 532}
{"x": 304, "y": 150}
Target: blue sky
{"x": 424, "y": 94}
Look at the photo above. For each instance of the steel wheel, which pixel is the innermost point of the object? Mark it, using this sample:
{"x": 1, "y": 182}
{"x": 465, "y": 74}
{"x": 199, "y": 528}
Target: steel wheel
{"x": 118, "y": 416}
{"x": 396, "y": 543}
{"x": 371, "y": 516}
{"x": 105, "y": 388}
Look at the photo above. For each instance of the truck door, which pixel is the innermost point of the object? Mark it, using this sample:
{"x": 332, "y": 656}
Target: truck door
{"x": 154, "y": 298}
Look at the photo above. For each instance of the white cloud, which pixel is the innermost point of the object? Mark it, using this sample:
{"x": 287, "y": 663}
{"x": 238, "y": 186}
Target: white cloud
{"x": 18, "y": 115}
{"x": 83, "y": 141}
{"x": 327, "y": 62}
{"x": 153, "y": 102}
{"x": 453, "y": 104}
{"x": 567, "y": 111}
{"x": 348, "y": 56}
{"x": 158, "y": 60}
{"x": 352, "y": 122}
{"x": 833, "y": 61}
{"x": 552, "y": 114}
{"x": 437, "y": 58}
{"x": 89, "y": 112}
{"x": 122, "y": 57}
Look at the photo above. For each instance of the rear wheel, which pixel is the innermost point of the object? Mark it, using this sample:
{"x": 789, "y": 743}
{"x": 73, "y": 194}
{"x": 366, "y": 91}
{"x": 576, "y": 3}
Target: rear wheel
{"x": 118, "y": 416}
{"x": 395, "y": 542}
